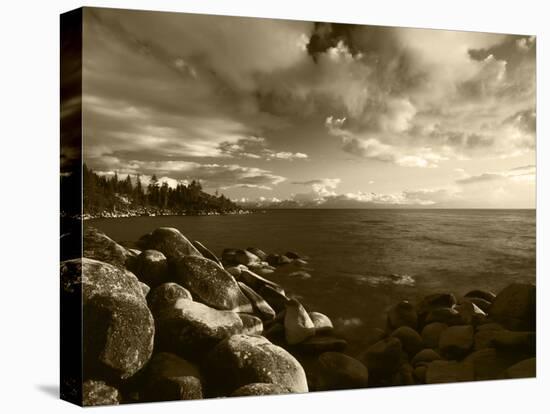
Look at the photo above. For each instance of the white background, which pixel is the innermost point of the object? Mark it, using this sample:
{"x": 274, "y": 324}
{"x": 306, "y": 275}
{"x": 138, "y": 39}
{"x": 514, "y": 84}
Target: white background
{"x": 29, "y": 151}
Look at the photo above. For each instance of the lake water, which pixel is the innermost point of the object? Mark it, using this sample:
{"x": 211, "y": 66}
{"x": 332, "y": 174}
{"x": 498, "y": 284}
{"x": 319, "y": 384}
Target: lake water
{"x": 364, "y": 261}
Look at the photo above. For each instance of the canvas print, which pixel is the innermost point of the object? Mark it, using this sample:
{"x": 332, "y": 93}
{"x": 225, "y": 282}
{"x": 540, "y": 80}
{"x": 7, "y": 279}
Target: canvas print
{"x": 256, "y": 206}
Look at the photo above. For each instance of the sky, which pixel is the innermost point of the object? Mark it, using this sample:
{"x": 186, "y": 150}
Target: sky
{"x": 310, "y": 114}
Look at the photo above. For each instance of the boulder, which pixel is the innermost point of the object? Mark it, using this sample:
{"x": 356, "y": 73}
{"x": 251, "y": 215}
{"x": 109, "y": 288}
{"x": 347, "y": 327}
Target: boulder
{"x": 410, "y": 340}
{"x": 118, "y": 328}
{"x": 206, "y": 252}
{"x": 515, "y": 306}
{"x": 239, "y": 256}
{"x": 294, "y": 255}
{"x": 402, "y": 314}
{"x": 298, "y": 324}
{"x": 169, "y": 377}
{"x": 262, "y": 270}
{"x": 259, "y": 388}
{"x": 145, "y": 289}
{"x": 470, "y": 314}
{"x": 318, "y": 344}
{"x": 436, "y": 300}
{"x": 258, "y": 252}
{"x": 425, "y": 356}
{"x": 170, "y": 242}
{"x": 99, "y": 393}
{"x": 456, "y": 341}
{"x": 235, "y": 271}
{"x": 277, "y": 259}
{"x": 210, "y": 284}
{"x": 166, "y": 294}
{"x": 523, "y": 369}
{"x": 191, "y": 328}
{"x": 338, "y": 371}
{"x": 261, "y": 307}
{"x": 257, "y": 282}
{"x": 481, "y": 294}
{"x": 506, "y": 340}
{"x": 431, "y": 333}
{"x": 276, "y": 299}
{"x": 450, "y": 316}
{"x": 383, "y": 358}
{"x": 252, "y": 325}
{"x": 489, "y": 364}
{"x": 321, "y": 322}
{"x": 151, "y": 267}
{"x": 440, "y": 372}
{"x": 98, "y": 246}
{"x": 243, "y": 359}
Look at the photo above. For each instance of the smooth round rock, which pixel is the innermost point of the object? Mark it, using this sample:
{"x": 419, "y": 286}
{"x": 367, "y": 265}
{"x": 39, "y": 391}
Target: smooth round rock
{"x": 425, "y": 356}
{"x": 210, "y": 284}
{"x": 431, "y": 333}
{"x": 166, "y": 294}
{"x": 98, "y": 246}
{"x": 515, "y": 306}
{"x": 456, "y": 341}
{"x": 151, "y": 267}
{"x": 298, "y": 324}
{"x": 322, "y": 322}
{"x": 481, "y": 294}
{"x": 338, "y": 371}
{"x": 258, "y": 252}
{"x": 411, "y": 340}
{"x": 96, "y": 393}
{"x": 261, "y": 307}
{"x": 384, "y": 357}
{"x": 402, "y": 314}
{"x": 170, "y": 242}
{"x": 242, "y": 359}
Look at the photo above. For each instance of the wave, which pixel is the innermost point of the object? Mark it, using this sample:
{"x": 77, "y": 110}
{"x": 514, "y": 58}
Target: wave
{"x": 388, "y": 279}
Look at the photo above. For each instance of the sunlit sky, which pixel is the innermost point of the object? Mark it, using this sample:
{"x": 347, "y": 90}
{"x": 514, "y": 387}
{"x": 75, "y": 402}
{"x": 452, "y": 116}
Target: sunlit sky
{"x": 329, "y": 115}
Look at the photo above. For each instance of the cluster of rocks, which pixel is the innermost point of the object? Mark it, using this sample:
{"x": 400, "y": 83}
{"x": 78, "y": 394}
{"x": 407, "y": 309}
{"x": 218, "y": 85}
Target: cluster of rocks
{"x": 152, "y": 212}
{"x": 172, "y": 321}
{"x": 441, "y": 339}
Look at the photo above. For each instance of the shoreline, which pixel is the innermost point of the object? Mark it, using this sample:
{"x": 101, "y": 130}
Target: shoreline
{"x": 209, "y": 313}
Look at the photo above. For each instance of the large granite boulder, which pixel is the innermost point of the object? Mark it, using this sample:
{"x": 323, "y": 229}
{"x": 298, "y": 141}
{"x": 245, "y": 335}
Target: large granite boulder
{"x": 170, "y": 242}
{"x": 151, "y": 267}
{"x": 96, "y": 393}
{"x": 298, "y": 324}
{"x": 191, "y": 328}
{"x": 411, "y": 340}
{"x": 506, "y": 340}
{"x": 169, "y": 377}
{"x": 243, "y": 359}
{"x": 258, "y": 252}
{"x": 431, "y": 334}
{"x": 321, "y": 322}
{"x": 256, "y": 281}
{"x": 456, "y": 341}
{"x": 424, "y": 357}
{"x": 206, "y": 252}
{"x": 97, "y": 245}
{"x": 166, "y": 294}
{"x": 383, "y": 358}
{"x": 489, "y": 364}
{"x": 210, "y": 284}
{"x": 118, "y": 328}
{"x": 261, "y": 307}
{"x": 276, "y": 298}
{"x": 338, "y": 371}
{"x": 515, "y": 306}
{"x": 402, "y": 314}
{"x": 259, "y": 388}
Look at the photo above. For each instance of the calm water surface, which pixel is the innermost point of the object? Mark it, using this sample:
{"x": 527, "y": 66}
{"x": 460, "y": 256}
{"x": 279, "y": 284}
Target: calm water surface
{"x": 364, "y": 261}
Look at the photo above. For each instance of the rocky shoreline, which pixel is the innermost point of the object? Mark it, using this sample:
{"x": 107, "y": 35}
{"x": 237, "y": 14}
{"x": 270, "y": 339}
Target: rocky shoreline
{"x": 148, "y": 212}
{"x": 169, "y": 320}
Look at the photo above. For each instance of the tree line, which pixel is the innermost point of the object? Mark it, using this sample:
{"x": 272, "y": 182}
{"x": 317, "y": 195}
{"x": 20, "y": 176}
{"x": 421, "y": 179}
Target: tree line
{"x": 110, "y": 193}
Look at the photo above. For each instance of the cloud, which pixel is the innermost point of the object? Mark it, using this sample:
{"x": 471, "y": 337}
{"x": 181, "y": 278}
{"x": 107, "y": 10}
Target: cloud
{"x": 257, "y": 148}
{"x": 523, "y": 173}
